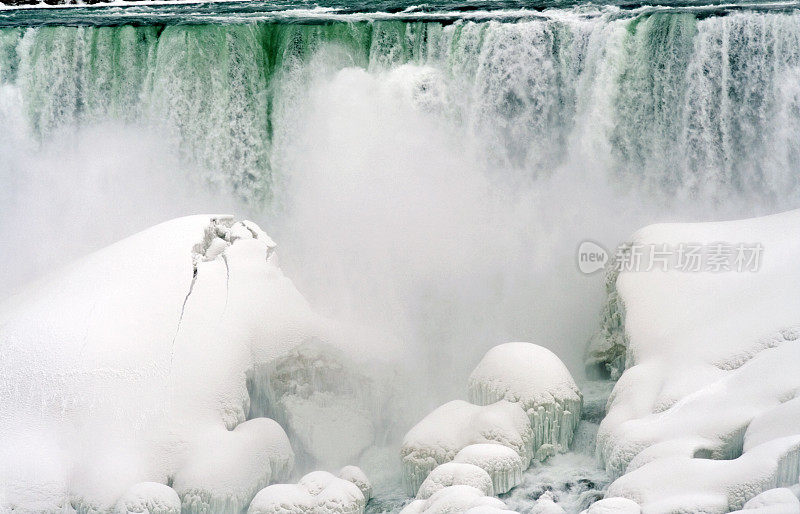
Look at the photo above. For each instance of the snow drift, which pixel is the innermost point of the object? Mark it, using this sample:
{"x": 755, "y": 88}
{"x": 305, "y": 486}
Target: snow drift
{"x": 154, "y": 360}
{"x": 704, "y": 416}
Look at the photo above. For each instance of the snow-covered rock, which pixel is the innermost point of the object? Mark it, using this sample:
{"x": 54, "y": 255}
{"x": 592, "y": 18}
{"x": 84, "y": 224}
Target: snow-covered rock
{"x": 535, "y": 378}
{"x": 546, "y": 504}
{"x": 503, "y": 464}
{"x": 457, "y": 424}
{"x": 454, "y": 473}
{"x": 142, "y": 362}
{"x": 454, "y": 499}
{"x": 319, "y": 492}
{"x": 355, "y": 475}
{"x": 704, "y": 417}
{"x": 614, "y": 506}
{"x": 149, "y": 498}
{"x": 773, "y": 501}
{"x": 227, "y": 468}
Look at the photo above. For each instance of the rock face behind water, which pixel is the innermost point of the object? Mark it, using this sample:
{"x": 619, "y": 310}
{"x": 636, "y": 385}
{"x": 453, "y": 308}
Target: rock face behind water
{"x": 536, "y": 379}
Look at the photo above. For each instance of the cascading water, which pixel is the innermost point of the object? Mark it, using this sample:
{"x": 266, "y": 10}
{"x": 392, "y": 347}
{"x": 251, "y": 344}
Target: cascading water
{"x": 431, "y": 179}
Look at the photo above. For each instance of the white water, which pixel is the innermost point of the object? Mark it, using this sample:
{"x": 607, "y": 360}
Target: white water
{"x": 433, "y": 182}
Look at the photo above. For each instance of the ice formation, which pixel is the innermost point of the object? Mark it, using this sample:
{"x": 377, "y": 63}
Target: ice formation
{"x": 355, "y": 475}
{"x": 457, "y": 498}
{"x": 535, "y": 378}
{"x": 546, "y": 504}
{"x": 147, "y": 361}
{"x": 149, "y": 498}
{"x": 454, "y": 473}
{"x": 457, "y": 424}
{"x": 503, "y": 464}
{"x": 704, "y": 416}
{"x": 614, "y": 505}
{"x": 773, "y": 501}
{"x": 227, "y": 468}
{"x": 319, "y": 492}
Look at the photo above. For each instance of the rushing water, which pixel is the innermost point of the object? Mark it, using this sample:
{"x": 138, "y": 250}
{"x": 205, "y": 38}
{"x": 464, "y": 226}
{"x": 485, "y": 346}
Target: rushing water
{"x": 428, "y": 171}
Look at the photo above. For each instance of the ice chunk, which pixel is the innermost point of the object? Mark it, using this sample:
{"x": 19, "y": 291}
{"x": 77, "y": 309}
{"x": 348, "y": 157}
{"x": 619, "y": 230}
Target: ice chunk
{"x": 318, "y": 492}
{"x": 615, "y": 505}
{"x": 503, "y": 464}
{"x": 546, "y": 504}
{"x": 453, "y": 473}
{"x": 535, "y": 378}
{"x": 457, "y": 424}
{"x": 226, "y": 469}
{"x": 355, "y": 475}
{"x": 149, "y": 498}
{"x": 773, "y": 501}
{"x": 456, "y": 498}
{"x": 703, "y": 419}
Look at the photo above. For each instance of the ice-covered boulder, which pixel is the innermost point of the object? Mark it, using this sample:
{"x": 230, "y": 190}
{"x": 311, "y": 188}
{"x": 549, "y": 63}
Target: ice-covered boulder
{"x": 454, "y": 473}
{"x": 502, "y": 463}
{"x": 614, "y": 506}
{"x": 143, "y": 362}
{"x": 546, "y": 504}
{"x": 535, "y": 378}
{"x": 456, "y": 498}
{"x": 773, "y": 501}
{"x": 457, "y": 424}
{"x": 318, "y": 492}
{"x": 355, "y": 475}
{"x": 149, "y": 498}
{"x": 704, "y": 417}
{"x": 227, "y": 468}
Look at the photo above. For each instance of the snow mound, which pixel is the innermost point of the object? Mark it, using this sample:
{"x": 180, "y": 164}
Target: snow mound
{"x": 546, "y": 504}
{"x": 613, "y": 506}
{"x": 149, "y": 498}
{"x": 143, "y": 362}
{"x": 453, "y": 473}
{"x": 355, "y": 475}
{"x": 503, "y": 464}
{"x": 319, "y": 492}
{"x": 773, "y": 501}
{"x": 456, "y": 498}
{"x": 704, "y": 416}
{"x": 228, "y": 468}
{"x": 457, "y": 424}
{"x": 535, "y": 378}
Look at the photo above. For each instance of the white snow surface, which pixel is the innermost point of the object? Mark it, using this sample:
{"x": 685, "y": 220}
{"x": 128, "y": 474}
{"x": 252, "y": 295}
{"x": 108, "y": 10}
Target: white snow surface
{"x": 615, "y": 505}
{"x": 133, "y": 364}
{"x": 534, "y": 377}
{"x": 319, "y": 492}
{"x": 454, "y": 473}
{"x": 149, "y": 498}
{"x": 504, "y": 465}
{"x": 773, "y": 501}
{"x": 456, "y": 499}
{"x": 704, "y": 417}
{"x": 457, "y": 424}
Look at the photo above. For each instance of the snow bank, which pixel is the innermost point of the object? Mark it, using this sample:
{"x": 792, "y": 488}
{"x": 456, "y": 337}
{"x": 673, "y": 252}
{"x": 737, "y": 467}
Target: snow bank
{"x": 318, "y": 492}
{"x": 535, "y": 378}
{"x": 504, "y": 465}
{"x": 703, "y": 418}
{"x": 355, "y": 475}
{"x": 457, "y": 424}
{"x": 546, "y": 504}
{"x": 149, "y": 498}
{"x": 141, "y": 363}
{"x": 454, "y": 473}
{"x": 457, "y": 498}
